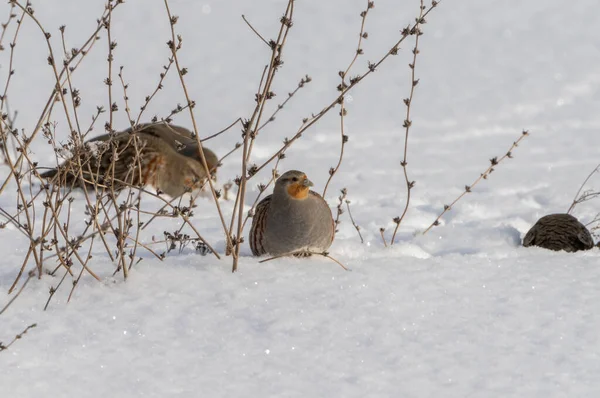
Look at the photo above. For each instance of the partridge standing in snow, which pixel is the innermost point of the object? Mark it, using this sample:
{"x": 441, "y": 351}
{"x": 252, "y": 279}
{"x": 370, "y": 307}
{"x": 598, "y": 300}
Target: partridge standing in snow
{"x": 159, "y": 154}
{"x": 559, "y": 232}
{"x": 293, "y": 219}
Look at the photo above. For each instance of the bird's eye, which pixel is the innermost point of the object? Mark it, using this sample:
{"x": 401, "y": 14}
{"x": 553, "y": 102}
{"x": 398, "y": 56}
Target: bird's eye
{"x": 295, "y": 179}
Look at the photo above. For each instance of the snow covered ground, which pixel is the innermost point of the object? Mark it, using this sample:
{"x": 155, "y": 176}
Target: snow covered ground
{"x": 463, "y": 311}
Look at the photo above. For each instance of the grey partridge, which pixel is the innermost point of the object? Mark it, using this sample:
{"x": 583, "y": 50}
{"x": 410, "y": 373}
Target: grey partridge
{"x": 159, "y": 154}
{"x": 293, "y": 220}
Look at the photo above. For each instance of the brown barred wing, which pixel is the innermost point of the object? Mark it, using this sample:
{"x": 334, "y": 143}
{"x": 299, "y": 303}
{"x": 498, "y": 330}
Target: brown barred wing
{"x": 129, "y": 160}
{"x": 84, "y": 168}
{"x": 125, "y": 160}
{"x": 122, "y": 160}
{"x": 259, "y": 223}
{"x": 182, "y": 141}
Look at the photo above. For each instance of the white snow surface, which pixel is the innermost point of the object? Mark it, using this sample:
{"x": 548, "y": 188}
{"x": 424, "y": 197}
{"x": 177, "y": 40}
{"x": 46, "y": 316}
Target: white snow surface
{"x": 463, "y": 311}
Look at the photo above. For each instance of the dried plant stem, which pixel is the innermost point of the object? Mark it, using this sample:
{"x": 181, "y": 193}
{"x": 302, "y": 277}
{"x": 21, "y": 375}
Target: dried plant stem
{"x": 4, "y": 136}
{"x": 305, "y": 80}
{"x": 262, "y": 189}
{"x": 29, "y": 228}
{"x": 416, "y": 31}
{"x": 11, "y": 16}
{"x": 74, "y": 93}
{"x": 12, "y": 54}
{"x": 76, "y": 281}
{"x": 343, "y": 75}
{"x": 381, "y": 232}
{"x": 578, "y": 199}
{"x": 305, "y": 253}
{"x": 239, "y": 119}
{"x": 493, "y": 163}
{"x": 230, "y": 250}
{"x": 273, "y": 66}
{"x": 51, "y": 62}
{"x": 174, "y": 46}
{"x": 17, "y": 337}
{"x": 110, "y": 58}
{"x": 372, "y": 67}
{"x": 53, "y": 290}
{"x": 340, "y": 210}
{"x": 354, "y": 223}
{"x": 122, "y": 221}
{"x": 125, "y": 97}
{"x": 168, "y": 203}
{"x": 30, "y": 275}
{"x": 255, "y": 31}
{"x": 150, "y": 97}
{"x": 252, "y": 124}
{"x": 83, "y": 51}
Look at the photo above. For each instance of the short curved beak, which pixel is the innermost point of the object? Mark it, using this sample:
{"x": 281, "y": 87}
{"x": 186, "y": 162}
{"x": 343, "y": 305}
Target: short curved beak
{"x": 307, "y": 183}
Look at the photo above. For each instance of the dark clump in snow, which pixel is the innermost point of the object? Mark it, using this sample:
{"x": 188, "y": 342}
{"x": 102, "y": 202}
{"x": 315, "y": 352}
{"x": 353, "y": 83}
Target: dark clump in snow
{"x": 559, "y": 232}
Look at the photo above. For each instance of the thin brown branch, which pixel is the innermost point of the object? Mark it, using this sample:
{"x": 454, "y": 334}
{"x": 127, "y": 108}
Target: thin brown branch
{"x": 252, "y": 124}
{"x": 343, "y": 75}
{"x": 303, "y": 82}
{"x": 305, "y": 253}
{"x": 17, "y": 337}
{"x": 11, "y": 16}
{"x": 372, "y": 67}
{"x": 416, "y": 31}
{"x": 262, "y": 188}
{"x": 340, "y": 210}
{"x": 468, "y": 188}
{"x": 78, "y": 55}
{"x": 255, "y": 31}
{"x": 150, "y": 97}
{"x": 30, "y": 275}
{"x": 354, "y": 223}
{"x": 175, "y": 45}
{"x": 382, "y": 233}
{"x": 239, "y": 119}
{"x": 579, "y": 199}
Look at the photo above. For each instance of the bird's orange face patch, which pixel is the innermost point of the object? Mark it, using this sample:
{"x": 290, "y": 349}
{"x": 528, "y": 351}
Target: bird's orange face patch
{"x": 298, "y": 190}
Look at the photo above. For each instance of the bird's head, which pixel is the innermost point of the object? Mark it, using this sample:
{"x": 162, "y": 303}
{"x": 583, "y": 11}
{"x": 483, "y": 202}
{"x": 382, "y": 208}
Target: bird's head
{"x": 294, "y": 183}
{"x": 212, "y": 160}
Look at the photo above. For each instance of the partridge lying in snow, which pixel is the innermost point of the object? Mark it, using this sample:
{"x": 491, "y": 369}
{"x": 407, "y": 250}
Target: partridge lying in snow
{"x": 293, "y": 219}
{"x": 559, "y": 232}
{"x": 161, "y": 155}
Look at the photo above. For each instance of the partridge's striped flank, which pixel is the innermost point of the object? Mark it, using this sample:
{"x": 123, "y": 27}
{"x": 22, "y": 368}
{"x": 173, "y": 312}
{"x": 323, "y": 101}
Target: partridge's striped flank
{"x": 257, "y": 230}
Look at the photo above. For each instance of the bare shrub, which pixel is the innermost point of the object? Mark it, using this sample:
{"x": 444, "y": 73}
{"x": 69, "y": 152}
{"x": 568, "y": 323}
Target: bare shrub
{"x": 116, "y": 203}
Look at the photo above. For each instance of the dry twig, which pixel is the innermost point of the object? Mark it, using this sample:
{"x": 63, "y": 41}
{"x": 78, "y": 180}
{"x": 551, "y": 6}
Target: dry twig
{"x": 493, "y": 163}
{"x": 586, "y": 195}
{"x": 415, "y": 31}
{"x": 17, "y": 337}
{"x": 305, "y": 253}
{"x": 344, "y": 84}
{"x": 354, "y": 223}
